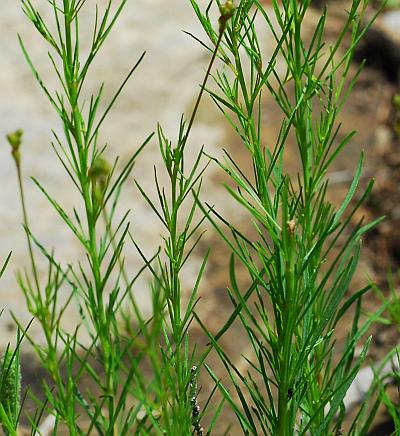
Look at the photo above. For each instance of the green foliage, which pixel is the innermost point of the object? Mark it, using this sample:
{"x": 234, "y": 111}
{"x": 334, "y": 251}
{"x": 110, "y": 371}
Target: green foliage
{"x": 390, "y": 302}
{"x": 10, "y": 391}
{"x": 396, "y": 105}
{"x": 10, "y": 369}
{"x": 387, "y": 374}
{"x": 122, "y": 340}
{"x": 144, "y": 369}
{"x": 393, "y": 377}
{"x": 299, "y": 278}
{"x": 391, "y": 3}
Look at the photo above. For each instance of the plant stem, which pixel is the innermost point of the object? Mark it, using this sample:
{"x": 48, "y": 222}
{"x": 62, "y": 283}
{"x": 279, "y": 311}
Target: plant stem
{"x": 203, "y": 86}
{"x": 26, "y": 226}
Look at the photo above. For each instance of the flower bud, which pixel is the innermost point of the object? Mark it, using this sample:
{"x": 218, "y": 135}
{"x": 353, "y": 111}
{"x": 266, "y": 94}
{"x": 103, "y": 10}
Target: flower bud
{"x": 227, "y": 11}
{"x": 100, "y": 170}
{"x": 99, "y": 174}
{"x": 15, "y": 140}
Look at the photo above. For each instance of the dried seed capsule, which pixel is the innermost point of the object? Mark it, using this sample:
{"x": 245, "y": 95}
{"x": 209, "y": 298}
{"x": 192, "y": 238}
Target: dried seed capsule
{"x": 291, "y": 226}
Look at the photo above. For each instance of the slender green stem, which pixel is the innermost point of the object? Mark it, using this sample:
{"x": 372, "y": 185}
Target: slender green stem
{"x": 26, "y": 225}
{"x": 175, "y": 248}
{"x": 98, "y": 311}
{"x": 203, "y": 86}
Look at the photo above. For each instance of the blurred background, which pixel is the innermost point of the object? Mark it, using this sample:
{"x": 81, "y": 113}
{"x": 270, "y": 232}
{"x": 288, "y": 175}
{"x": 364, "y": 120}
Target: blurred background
{"x": 165, "y": 86}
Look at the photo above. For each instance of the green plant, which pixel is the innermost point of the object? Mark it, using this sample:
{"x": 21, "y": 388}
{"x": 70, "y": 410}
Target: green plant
{"x": 100, "y": 287}
{"x": 392, "y": 377}
{"x": 174, "y": 366}
{"x": 387, "y": 372}
{"x": 396, "y": 106}
{"x": 305, "y": 254}
{"x": 10, "y": 381}
{"x": 385, "y": 376}
{"x": 10, "y": 390}
{"x": 391, "y": 3}
{"x": 143, "y": 370}
{"x": 11, "y": 401}
{"x": 390, "y": 302}
{"x": 123, "y": 343}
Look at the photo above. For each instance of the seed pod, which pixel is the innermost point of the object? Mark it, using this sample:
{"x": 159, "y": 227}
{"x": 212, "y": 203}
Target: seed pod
{"x": 99, "y": 174}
